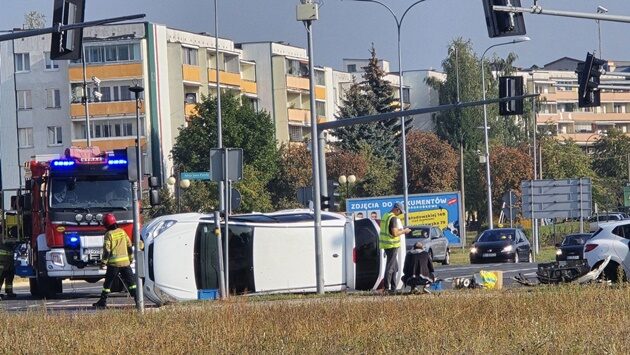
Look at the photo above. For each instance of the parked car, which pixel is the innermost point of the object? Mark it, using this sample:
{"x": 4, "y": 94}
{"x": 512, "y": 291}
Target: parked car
{"x": 501, "y": 244}
{"x": 595, "y": 220}
{"x": 433, "y": 240}
{"x": 611, "y": 238}
{"x": 572, "y": 247}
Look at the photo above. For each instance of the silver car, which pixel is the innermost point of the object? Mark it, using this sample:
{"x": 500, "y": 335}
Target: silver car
{"x": 433, "y": 240}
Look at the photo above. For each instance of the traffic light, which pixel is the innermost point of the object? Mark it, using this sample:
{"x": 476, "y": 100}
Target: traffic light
{"x": 588, "y": 79}
{"x": 503, "y": 24}
{"x": 333, "y": 195}
{"x": 67, "y": 44}
{"x": 510, "y": 86}
{"x": 325, "y": 203}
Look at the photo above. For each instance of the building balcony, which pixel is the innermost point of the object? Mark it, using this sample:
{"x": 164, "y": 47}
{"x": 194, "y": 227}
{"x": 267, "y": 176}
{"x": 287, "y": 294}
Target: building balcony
{"x": 106, "y": 71}
{"x": 320, "y": 92}
{"x": 106, "y": 109}
{"x": 302, "y": 116}
{"x": 295, "y": 82}
{"x": 226, "y": 78}
{"x": 572, "y": 96}
{"x": 249, "y": 87}
{"x": 190, "y": 110}
{"x": 561, "y": 117}
{"x": 110, "y": 143}
{"x": 191, "y": 73}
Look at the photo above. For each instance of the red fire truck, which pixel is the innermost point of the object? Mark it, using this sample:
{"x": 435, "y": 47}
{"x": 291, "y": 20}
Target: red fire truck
{"x": 64, "y": 206}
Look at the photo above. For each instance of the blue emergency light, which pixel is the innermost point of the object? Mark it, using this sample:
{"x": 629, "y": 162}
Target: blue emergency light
{"x": 63, "y": 163}
{"x": 117, "y": 162}
{"x": 72, "y": 240}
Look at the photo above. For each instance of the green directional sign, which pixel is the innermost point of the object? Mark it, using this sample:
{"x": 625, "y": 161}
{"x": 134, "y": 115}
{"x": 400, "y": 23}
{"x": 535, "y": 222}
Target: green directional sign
{"x": 195, "y": 175}
{"x": 626, "y": 196}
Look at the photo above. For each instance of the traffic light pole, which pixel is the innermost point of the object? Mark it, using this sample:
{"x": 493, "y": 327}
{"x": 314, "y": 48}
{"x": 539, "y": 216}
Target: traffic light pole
{"x": 538, "y": 10}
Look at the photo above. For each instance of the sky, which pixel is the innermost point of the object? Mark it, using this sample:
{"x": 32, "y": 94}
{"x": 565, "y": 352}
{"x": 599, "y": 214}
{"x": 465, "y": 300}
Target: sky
{"x": 347, "y": 29}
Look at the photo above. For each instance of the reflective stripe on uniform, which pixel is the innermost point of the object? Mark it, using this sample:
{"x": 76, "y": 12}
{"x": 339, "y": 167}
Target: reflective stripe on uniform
{"x": 107, "y": 290}
{"x": 118, "y": 259}
{"x": 132, "y": 287}
{"x": 5, "y": 252}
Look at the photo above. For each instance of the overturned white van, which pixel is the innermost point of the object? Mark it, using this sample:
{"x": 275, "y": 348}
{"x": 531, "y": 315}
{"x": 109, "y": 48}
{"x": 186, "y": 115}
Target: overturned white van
{"x": 268, "y": 253}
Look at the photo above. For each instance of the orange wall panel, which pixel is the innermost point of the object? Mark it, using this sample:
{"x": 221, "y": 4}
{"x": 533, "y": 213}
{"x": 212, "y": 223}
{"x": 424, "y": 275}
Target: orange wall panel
{"x": 297, "y": 83}
{"x": 106, "y": 71}
{"x": 320, "y": 93}
{"x": 110, "y": 143}
{"x": 249, "y": 87}
{"x": 191, "y": 73}
{"x": 116, "y": 108}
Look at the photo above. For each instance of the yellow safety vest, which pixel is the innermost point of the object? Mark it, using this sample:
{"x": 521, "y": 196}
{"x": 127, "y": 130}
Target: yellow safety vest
{"x": 385, "y": 239}
{"x": 115, "y": 248}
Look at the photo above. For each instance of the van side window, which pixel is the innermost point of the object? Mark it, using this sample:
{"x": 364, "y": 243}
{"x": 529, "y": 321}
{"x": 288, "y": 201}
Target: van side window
{"x": 626, "y": 231}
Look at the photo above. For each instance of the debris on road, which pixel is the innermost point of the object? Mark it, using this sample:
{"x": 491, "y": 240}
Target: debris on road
{"x": 564, "y": 272}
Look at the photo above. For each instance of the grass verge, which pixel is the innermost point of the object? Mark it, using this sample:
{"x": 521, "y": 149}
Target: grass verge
{"x": 534, "y": 320}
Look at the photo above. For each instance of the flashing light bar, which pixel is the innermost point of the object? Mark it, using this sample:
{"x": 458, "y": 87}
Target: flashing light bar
{"x": 117, "y": 162}
{"x": 60, "y": 163}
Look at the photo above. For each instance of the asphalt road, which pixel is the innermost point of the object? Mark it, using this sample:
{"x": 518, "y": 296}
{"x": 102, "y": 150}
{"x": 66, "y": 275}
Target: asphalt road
{"x": 78, "y": 296}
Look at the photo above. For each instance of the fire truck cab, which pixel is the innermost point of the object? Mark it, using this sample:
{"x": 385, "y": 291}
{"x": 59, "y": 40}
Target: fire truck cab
{"x": 66, "y": 201}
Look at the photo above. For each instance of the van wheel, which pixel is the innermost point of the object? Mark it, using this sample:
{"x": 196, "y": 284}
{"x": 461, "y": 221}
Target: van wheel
{"x": 447, "y": 257}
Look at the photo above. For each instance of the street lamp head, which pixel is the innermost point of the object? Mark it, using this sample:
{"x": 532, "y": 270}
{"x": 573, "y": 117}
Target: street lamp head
{"x": 521, "y": 39}
{"x": 342, "y": 179}
{"x": 184, "y": 184}
{"x": 601, "y": 10}
{"x": 171, "y": 180}
{"x": 352, "y": 179}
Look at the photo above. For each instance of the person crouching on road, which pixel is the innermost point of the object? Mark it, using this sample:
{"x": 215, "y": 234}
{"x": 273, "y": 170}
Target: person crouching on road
{"x": 117, "y": 258}
{"x": 7, "y": 269}
{"x": 389, "y": 240}
{"x": 418, "y": 269}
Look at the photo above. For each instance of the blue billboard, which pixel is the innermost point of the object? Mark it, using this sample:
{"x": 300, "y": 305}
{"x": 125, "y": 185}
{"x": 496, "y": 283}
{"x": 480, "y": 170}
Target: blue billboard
{"x": 439, "y": 209}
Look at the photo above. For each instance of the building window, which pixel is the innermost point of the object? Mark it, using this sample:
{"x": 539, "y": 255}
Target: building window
{"x": 619, "y": 108}
{"x": 297, "y": 68}
{"x": 108, "y": 128}
{"x": 321, "y": 108}
{"x": 406, "y": 99}
{"x": 112, "y": 53}
{"x": 352, "y": 68}
{"x": 189, "y": 56}
{"x": 296, "y": 133}
{"x": 320, "y": 78}
{"x": 50, "y": 64}
{"x": 25, "y": 136}
{"x": 54, "y": 136}
{"x": 53, "y": 98}
{"x": 22, "y": 62}
{"x": 24, "y": 100}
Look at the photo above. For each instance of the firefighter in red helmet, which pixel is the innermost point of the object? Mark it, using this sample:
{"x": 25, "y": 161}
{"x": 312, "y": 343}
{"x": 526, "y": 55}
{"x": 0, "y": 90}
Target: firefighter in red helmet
{"x": 117, "y": 258}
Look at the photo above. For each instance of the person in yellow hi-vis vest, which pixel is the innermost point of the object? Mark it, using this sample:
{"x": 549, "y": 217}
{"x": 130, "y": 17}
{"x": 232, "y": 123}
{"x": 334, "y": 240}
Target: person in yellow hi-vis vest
{"x": 7, "y": 269}
{"x": 389, "y": 241}
{"x": 117, "y": 258}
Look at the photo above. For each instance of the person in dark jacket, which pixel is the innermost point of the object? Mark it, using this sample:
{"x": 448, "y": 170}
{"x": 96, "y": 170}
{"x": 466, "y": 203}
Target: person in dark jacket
{"x": 418, "y": 269}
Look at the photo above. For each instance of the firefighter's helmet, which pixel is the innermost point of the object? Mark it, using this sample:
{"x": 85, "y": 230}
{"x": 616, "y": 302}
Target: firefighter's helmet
{"x": 109, "y": 220}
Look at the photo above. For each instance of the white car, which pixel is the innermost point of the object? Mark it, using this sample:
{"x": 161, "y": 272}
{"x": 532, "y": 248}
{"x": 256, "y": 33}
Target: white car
{"x": 610, "y": 239}
{"x": 270, "y": 253}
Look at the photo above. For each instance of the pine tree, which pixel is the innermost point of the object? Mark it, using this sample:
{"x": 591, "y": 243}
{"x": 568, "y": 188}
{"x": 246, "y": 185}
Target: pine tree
{"x": 371, "y": 96}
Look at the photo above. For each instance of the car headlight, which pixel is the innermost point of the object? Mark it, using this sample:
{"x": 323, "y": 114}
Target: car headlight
{"x": 161, "y": 227}
{"x": 57, "y": 259}
{"x": 473, "y": 250}
{"x": 558, "y": 251}
{"x": 508, "y": 249}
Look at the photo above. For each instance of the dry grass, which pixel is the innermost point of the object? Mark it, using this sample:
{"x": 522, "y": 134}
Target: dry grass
{"x": 567, "y": 319}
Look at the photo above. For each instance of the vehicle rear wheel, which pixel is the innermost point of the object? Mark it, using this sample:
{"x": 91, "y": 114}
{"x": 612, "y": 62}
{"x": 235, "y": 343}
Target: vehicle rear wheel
{"x": 447, "y": 257}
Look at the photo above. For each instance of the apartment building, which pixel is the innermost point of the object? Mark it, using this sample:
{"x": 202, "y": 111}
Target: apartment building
{"x": 558, "y": 103}
{"x": 34, "y": 106}
{"x": 283, "y": 71}
{"x": 174, "y": 67}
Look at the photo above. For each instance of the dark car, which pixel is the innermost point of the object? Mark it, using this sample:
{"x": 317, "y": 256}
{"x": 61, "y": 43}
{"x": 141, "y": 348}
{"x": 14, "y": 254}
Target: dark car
{"x": 433, "y": 240}
{"x": 572, "y": 247}
{"x": 501, "y": 244}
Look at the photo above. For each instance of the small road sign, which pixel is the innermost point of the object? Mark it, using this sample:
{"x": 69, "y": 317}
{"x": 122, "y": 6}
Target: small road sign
{"x": 195, "y": 175}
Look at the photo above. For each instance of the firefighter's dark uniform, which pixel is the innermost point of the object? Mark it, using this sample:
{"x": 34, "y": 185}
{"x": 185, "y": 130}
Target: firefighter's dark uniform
{"x": 7, "y": 269}
{"x": 117, "y": 257}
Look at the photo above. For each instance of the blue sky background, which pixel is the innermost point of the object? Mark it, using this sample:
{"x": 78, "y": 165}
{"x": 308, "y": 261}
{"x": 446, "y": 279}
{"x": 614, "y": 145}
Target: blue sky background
{"x": 346, "y": 29}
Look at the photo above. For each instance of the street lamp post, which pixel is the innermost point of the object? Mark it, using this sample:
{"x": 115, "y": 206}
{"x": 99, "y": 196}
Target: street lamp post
{"x": 596, "y": 134}
{"x": 137, "y": 195}
{"x": 485, "y": 123}
{"x": 600, "y": 10}
{"x": 402, "y": 107}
